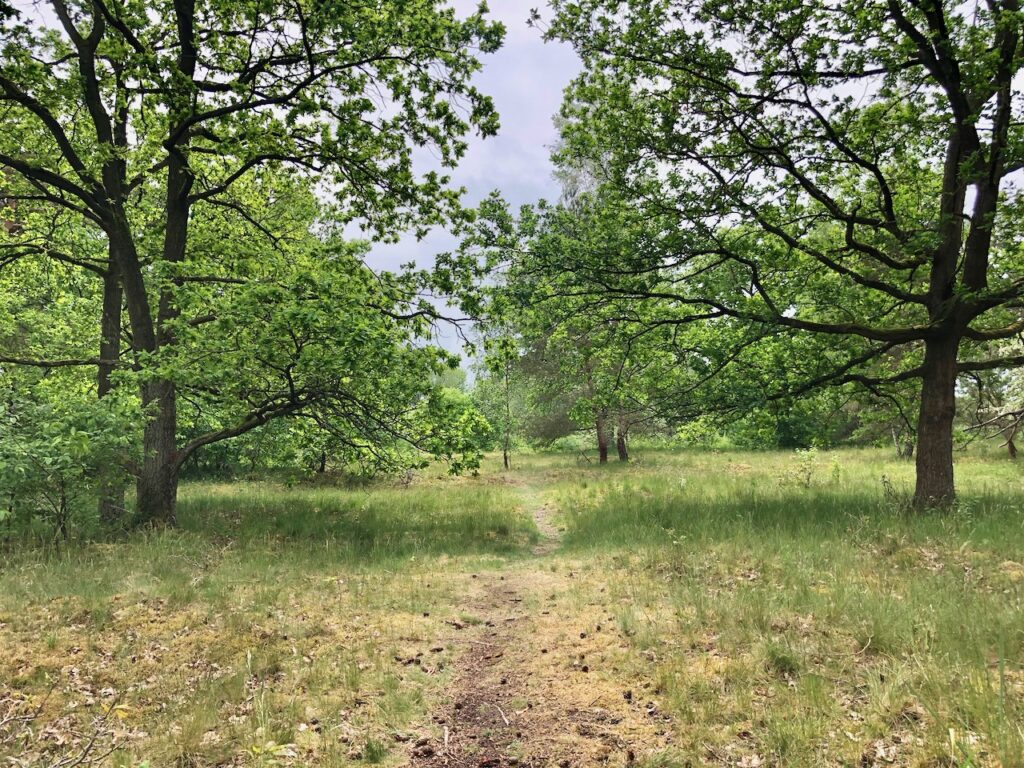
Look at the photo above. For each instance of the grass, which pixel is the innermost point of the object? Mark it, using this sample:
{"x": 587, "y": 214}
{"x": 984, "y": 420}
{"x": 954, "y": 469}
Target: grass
{"x": 812, "y": 613}
{"x": 781, "y": 609}
{"x": 266, "y": 627}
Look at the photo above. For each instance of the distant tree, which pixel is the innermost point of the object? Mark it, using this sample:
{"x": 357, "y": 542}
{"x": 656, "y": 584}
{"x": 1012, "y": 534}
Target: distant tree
{"x": 604, "y": 362}
{"x": 995, "y": 406}
{"x": 499, "y": 390}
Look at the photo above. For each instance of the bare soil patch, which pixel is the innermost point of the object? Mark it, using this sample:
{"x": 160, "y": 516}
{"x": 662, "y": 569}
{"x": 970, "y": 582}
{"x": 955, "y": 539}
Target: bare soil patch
{"x": 538, "y": 682}
{"x": 550, "y": 533}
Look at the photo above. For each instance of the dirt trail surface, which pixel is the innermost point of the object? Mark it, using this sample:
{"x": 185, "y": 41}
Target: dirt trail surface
{"x": 550, "y": 534}
{"x": 537, "y": 679}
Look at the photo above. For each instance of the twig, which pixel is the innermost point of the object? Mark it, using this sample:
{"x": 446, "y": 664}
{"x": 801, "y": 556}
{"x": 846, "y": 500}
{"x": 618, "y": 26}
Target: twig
{"x": 862, "y": 650}
{"x": 502, "y": 714}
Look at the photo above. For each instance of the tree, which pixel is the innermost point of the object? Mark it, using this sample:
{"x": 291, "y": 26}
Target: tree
{"x": 131, "y": 115}
{"x": 995, "y": 406}
{"x": 32, "y": 230}
{"x": 291, "y": 326}
{"x": 606, "y": 364}
{"x": 499, "y": 392}
{"x": 60, "y": 446}
{"x": 835, "y": 168}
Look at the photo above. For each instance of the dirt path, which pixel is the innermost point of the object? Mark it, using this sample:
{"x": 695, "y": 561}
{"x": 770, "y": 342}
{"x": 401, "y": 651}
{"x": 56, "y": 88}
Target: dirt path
{"x": 550, "y": 533}
{"x": 537, "y": 681}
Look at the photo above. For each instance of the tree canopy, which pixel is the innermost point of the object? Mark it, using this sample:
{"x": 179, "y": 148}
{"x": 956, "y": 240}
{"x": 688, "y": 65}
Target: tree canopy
{"x": 170, "y": 133}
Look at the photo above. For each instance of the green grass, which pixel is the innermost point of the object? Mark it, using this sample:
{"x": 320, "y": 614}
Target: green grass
{"x": 268, "y": 608}
{"x": 366, "y": 525}
{"x": 745, "y": 498}
{"x": 779, "y": 605}
{"x": 826, "y": 606}
{"x": 266, "y": 533}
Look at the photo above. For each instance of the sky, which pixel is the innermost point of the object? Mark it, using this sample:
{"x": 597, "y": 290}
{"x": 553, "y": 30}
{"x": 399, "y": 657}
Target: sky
{"x": 526, "y": 79}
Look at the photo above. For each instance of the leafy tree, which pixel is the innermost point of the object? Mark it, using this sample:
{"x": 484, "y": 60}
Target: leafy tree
{"x": 293, "y": 325}
{"x": 837, "y": 169}
{"x": 499, "y": 393}
{"x": 602, "y": 360}
{"x": 133, "y": 116}
{"x": 454, "y": 429}
{"x": 57, "y": 445}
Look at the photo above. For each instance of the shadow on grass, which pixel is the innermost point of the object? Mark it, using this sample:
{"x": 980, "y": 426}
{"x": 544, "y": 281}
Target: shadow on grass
{"x": 656, "y": 511}
{"x": 256, "y": 533}
{"x": 363, "y": 525}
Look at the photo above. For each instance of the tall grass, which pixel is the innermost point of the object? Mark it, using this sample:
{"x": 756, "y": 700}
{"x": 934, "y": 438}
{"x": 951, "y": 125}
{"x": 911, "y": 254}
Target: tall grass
{"x": 363, "y": 524}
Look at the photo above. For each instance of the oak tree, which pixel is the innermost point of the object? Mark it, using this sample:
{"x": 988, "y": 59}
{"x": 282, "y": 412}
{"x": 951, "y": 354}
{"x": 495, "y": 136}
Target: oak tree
{"x": 840, "y": 169}
{"x": 117, "y": 103}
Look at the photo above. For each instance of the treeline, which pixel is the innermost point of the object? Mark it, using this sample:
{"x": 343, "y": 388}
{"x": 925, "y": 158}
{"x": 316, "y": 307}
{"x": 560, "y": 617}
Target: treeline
{"x": 562, "y": 362}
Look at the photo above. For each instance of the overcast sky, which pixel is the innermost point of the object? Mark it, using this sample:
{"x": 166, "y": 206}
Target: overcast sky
{"x": 525, "y": 79}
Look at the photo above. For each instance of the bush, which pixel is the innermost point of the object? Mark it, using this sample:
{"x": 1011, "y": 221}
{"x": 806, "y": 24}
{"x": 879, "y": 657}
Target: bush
{"x": 54, "y": 457}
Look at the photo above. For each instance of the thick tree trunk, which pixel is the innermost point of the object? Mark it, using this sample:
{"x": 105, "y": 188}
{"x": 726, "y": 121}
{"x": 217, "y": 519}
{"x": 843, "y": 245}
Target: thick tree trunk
{"x": 935, "y": 425}
{"x": 111, "y": 501}
{"x": 620, "y": 440}
{"x": 157, "y": 486}
{"x": 602, "y": 438}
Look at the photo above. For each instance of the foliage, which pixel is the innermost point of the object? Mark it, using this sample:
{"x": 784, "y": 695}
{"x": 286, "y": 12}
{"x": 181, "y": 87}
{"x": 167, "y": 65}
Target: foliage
{"x": 54, "y": 445}
{"x": 779, "y": 201}
{"x": 455, "y": 430}
{"x": 203, "y": 121}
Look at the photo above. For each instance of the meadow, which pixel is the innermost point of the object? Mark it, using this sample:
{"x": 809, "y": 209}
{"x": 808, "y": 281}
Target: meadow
{"x": 688, "y": 608}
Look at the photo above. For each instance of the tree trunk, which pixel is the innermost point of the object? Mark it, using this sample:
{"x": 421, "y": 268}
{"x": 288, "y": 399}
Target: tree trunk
{"x": 620, "y": 440}
{"x": 935, "y": 425}
{"x": 111, "y": 486}
{"x": 506, "y": 445}
{"x": 157, "y": 486}
{"x": 158, "y": 476}
{"x": 602, "y": 438}
{"x": 905, "y": 449}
